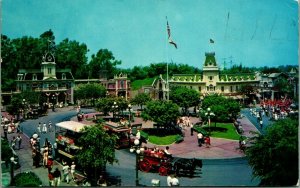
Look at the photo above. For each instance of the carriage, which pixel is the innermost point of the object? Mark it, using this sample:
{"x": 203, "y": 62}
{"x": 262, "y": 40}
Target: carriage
{"x": 157, "y": 161}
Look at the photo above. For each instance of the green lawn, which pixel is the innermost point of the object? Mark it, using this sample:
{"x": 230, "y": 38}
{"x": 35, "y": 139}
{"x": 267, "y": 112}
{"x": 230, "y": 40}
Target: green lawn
{"x": 137, "y": 84}
{"x": 162, "y": 140}
{"x": 223, "y": 130}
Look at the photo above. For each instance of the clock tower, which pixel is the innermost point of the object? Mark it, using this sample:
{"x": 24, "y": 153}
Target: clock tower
{"x": 48, "y": 66}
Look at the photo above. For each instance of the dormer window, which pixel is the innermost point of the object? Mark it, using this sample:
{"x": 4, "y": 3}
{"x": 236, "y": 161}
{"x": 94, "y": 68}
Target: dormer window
{"x": 20, "y": 76}
{"x": 34, "y": 77}
{"x": 63, "y": 76}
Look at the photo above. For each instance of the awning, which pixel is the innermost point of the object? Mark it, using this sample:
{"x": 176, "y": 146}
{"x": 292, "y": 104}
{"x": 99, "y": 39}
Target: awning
{"x": 72, "y": 125}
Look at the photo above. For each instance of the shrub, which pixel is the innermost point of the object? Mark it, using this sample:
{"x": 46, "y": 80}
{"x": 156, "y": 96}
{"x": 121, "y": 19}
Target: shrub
{"x": 27, "y": 179}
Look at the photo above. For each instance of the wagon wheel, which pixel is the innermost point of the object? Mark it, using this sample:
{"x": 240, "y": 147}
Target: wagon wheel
{"x": 163, "y": 171}
{"x": 145, "y": 165}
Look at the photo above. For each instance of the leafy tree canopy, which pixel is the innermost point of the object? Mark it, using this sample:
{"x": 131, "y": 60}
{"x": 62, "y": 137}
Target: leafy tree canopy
{"x": 90, "y": 91}
{"x": 97, "y": 149}
{"x": 164, "y": 113}
{"x": 222, "y": 107}
{"x": 141, "y": 99}
{"x": 184, "y": 97}
{"x": 274, "y": 156}
{"x": 104, "y": 60}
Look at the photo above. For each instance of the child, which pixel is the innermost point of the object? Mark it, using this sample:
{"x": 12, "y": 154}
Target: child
{"x": 207, "y": 141}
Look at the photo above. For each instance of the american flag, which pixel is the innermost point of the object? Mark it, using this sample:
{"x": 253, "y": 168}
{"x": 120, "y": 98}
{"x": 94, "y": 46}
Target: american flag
{"x": 169, "y": 36}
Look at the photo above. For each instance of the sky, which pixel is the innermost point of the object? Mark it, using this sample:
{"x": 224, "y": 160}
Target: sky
{"x": 253, "y": 33}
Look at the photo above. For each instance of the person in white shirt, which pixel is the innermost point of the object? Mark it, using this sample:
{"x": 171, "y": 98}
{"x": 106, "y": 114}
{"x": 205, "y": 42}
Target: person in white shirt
{"x": 73, "y": 166}
{"x": 174, "y": 181}
{"x": 66, "y": 172}
{"x": 200, "y": 139}
{"x": 169, "y": 179}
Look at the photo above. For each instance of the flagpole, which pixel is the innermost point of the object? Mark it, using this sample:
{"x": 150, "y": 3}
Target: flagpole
{"x": 167, "y": 62}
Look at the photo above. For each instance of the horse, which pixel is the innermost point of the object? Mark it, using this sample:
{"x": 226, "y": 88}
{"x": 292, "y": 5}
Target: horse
{"x": 187, "y": 165}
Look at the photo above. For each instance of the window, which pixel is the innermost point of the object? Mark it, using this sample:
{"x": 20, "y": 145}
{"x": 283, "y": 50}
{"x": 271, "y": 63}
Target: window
{"x": 211, "y": 77}
{"x": 34, "y": 77}
{"x": 222, "y": 88}
{"x": 63, "y": 76}
{"x": 191, "y": 87}
{"x": 199, "y": 88}
{"x": 237, "y": 88}
{"x": 49, "y": 71}
{"x": 231, "y": 88}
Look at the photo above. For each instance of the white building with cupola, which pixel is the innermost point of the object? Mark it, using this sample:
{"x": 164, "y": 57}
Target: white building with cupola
{"x": 56, "y": 85}
{"x": 210, "y": 81}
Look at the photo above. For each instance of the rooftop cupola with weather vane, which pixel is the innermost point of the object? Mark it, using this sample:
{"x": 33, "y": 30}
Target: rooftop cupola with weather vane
{"x": 49, "y": 66}
{"x": 210, "y": 70}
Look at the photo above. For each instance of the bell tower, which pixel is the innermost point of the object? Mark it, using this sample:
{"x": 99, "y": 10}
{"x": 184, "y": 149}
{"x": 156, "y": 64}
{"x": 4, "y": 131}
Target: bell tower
{"x": 49, "y": 66}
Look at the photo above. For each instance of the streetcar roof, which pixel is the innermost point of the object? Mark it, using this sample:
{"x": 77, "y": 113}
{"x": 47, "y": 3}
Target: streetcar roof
{"x": 71, "y": 125}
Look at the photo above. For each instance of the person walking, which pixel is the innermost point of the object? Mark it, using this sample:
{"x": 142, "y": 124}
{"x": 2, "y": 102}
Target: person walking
{"x": 19, "y": 141}
{"x": 261, "y": 123}
{"x": 57, "y": 177}
{"x": 200, "y": 139}
{"x": 169, "y": 179}
{"x": 39, "y": 128}
{"x": 44, "y": 129}
{"x": 50, "y": 126}
{"x": 192, "y": 129}
{"x": 207, "y": 141}
{"x": 65, "y": 170}
{"x": 5, "y": 130}
{"x": 13, "y": 142}
{"x": 51, "y": 179}
{"x": 174, "y": 181}
{"x": 73, "y": 166}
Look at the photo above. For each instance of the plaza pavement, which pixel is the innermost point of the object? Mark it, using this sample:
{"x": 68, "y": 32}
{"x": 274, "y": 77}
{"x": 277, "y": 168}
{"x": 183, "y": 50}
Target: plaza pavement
{"x": 219, "y": 149}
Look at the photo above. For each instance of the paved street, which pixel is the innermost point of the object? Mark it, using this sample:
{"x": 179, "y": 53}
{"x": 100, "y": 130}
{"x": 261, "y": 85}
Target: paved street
{"x": 229, "y": 169}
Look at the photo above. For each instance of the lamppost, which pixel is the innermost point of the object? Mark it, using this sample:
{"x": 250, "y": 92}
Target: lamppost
{"x": 209, "y": 114}
{"x": 129, "y": 109}
{"x": 138, "y": 150}
{"x": 24, "y": 108}
{"x": 114, "y": 108}
{"x": 12, "y": 163}
{"x": 53, "y": 103}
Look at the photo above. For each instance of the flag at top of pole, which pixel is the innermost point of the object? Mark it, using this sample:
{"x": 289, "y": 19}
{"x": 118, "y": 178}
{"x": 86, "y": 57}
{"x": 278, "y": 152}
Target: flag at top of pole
{"x": 169, "y": 35}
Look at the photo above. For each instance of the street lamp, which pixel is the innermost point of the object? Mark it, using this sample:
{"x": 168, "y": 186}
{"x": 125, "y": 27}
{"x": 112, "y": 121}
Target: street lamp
{"x": 24, "y": 108}
{"x": 114, "y": 108}
{"x": 138, "y": 150}
{"x": 12, "y": 163}
{"x": 129, "y": 109}
{"x": 209, "y": 114}
{"x": 53, "y": 103}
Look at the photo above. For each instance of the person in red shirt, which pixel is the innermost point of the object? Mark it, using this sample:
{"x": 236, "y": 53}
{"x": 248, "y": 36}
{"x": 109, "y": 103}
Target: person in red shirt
{"x": 49, "y": 164}
{"x": 207, "y": 141}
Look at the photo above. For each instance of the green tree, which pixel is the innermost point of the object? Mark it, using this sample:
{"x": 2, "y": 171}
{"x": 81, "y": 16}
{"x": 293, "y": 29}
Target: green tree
{"x": 27, "y": 179}
{"x": 71, "y": 54}
{"x": 141, "y": 99}
{"x": 103, "y": 60}
{"x": 184, "y": 97}
{"x": 164, "y": 113}
{"x": 104, "y": 105}
{"x": 274, "y": 156}
{"x": 283, "y": 86}
{"x": 224, "y": 109}
{"x": 97, "y": 150}
{"x": 89, "y": 92}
